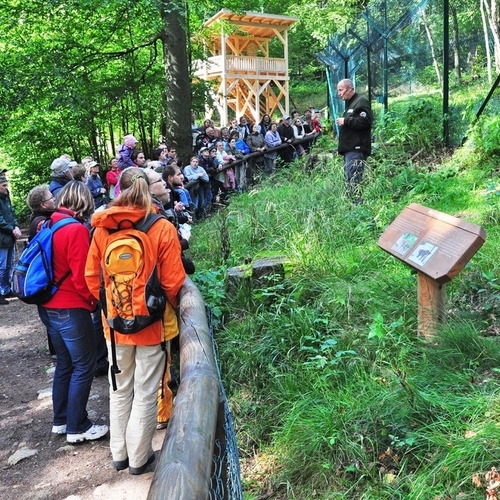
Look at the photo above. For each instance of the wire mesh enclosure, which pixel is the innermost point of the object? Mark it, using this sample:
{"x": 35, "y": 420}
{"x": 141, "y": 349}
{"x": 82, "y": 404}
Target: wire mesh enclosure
{"x": 396, "y": 48}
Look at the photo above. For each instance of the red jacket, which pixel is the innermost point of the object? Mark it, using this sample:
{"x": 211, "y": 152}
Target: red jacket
{"x": 70, "y": 248}
{"x": 112, "y": 177}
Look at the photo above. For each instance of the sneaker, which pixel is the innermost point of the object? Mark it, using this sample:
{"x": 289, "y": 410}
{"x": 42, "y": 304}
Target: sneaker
{"x": 95, "y": 432}
{"x": 59, "y": 429}
{"x": 3, "y": 301}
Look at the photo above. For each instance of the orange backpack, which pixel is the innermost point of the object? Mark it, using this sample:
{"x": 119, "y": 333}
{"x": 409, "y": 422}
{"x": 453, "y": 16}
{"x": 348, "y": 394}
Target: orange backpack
{"x": 131, "y": 294}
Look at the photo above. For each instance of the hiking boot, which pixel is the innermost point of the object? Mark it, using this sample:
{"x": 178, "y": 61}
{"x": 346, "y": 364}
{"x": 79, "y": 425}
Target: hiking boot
{"x": 3, "y": 301}
{"x": 59, "y": 429}
{"x": 161, "y": 425}
{"x": 95, "y": 432}
{"x": 137, "y": 471}
{"x": 120, "y": 464}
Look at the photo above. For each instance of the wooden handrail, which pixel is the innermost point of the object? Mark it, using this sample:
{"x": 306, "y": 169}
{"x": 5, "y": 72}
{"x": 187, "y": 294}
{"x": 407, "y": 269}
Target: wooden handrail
{"x": 184, "y": 468}
{"x": 258, "y": 154}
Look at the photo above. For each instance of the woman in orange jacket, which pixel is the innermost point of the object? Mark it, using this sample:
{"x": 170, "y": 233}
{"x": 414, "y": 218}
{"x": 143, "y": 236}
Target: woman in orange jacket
{"x": 139, "y": 356}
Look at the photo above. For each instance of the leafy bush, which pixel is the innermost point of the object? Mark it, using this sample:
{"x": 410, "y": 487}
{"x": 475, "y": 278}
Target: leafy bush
{"x": 486, "y": 136}
{"x": 418, "y": 127}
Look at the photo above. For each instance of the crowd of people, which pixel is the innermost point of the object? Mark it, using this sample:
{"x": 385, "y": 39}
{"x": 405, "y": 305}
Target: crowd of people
{"x": 98, "y": 203}
{"x": 78, "y": 330}
{"x": 224, "y": 161}
{"x": 79, "y": 334}
{"x": 207, "y": 178}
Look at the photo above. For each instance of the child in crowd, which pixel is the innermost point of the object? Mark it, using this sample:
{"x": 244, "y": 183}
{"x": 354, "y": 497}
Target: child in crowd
{"x": 184, "y": 196}
{"x": 315, "y": 124}
{"x": 232, "y": 154}
{"x": 125, "y": 152}
{"x": 112, "y": 177}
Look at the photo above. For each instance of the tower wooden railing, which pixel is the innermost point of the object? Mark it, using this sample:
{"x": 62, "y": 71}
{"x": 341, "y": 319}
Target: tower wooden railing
{"x": 254, "y": 66}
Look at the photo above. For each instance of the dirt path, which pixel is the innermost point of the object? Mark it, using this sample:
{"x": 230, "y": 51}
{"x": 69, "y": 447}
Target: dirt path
{"x": 55, "y": 470}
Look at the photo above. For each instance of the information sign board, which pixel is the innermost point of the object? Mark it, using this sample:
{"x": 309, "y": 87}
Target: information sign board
{"x": 435, "y": 244}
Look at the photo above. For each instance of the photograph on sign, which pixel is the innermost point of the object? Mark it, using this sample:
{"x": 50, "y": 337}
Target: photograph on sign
{"x": 423, "y": 253}
{"x": 404, "y": 243}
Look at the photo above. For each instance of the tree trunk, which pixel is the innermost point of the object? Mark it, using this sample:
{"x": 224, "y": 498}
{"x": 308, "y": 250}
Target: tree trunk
{"x": 177, "y": 81}
{"x": 141, "y": 122}
{"x": 94, "y": 146}
{"x": 111, "y": 132}
{"x": 433, "y": 51}
{"x": 493, "y": 19}
{"x": 482, "y": 4}
{"x": 456, "y": 46}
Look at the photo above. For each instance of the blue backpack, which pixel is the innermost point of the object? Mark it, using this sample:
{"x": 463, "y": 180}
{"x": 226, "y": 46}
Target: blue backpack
{"x": 33, "y": 275}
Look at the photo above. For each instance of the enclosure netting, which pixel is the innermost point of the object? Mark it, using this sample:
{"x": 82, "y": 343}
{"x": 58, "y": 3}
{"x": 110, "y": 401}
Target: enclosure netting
{"x": 393, "y": 49}
{"x": 226, "y": 479}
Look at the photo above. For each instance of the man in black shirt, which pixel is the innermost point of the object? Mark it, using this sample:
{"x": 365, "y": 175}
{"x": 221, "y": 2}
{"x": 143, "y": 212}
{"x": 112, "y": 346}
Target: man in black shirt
{"x": 354, "y": 135}
{"x": 285, "y": 131}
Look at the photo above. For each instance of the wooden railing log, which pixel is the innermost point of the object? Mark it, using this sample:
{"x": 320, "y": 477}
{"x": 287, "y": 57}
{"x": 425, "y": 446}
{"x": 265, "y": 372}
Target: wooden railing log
{"x": 258, "y": 154}
{"x": 184, "y": 468}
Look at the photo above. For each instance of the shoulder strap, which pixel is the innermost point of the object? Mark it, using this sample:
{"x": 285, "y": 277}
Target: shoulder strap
{"x": 145, "y": 224}
{"x": 61, "y": 223}
{"x": 36, "y": 225}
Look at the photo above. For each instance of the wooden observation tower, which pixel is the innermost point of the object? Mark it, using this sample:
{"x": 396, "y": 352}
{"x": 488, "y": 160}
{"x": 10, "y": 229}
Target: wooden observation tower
{"x": 244, "y": 77}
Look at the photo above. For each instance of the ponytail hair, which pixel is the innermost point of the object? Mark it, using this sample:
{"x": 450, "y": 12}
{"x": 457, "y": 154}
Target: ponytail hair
{"x": 134, "y": 190}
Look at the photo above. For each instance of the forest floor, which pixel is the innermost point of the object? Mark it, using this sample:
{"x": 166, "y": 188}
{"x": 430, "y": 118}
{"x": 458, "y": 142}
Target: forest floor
{"x": 53, "y": 469}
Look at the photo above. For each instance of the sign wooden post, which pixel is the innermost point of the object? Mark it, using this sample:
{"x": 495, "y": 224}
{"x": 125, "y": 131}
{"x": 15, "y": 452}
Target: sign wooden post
{"x": 438, "y": 246}
{"x": 431, "y": 298}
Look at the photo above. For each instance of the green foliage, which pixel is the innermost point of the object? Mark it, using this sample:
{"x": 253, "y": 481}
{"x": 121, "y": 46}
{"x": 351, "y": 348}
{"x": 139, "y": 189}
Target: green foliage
{"x": 417, "y": 127}
{"x": 211, "y": 286}
{"x": 486, "y": 136}
{"x": 308, "y": 93}
{"x": 324, "y": 369}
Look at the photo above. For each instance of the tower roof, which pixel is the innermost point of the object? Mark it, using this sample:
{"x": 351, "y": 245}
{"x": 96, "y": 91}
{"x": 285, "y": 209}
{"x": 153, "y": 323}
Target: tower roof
{"x": 256, "y": 24}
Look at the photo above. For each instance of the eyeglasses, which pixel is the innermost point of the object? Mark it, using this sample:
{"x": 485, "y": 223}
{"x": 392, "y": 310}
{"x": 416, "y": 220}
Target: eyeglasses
{"x": 154, "y": 182}
{"x": 51, "y": 198}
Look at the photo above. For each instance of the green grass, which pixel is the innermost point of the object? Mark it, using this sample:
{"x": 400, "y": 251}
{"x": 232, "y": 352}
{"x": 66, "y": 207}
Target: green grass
{"x": 333, "y": 393}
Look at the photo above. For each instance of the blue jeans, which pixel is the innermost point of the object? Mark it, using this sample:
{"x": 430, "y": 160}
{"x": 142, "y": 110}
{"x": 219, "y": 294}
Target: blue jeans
{"x": 6, "y": 263}
{"x": 354, "y": 167}
{"x": 73, "y": 338}
{"x": 202, "y": 195}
